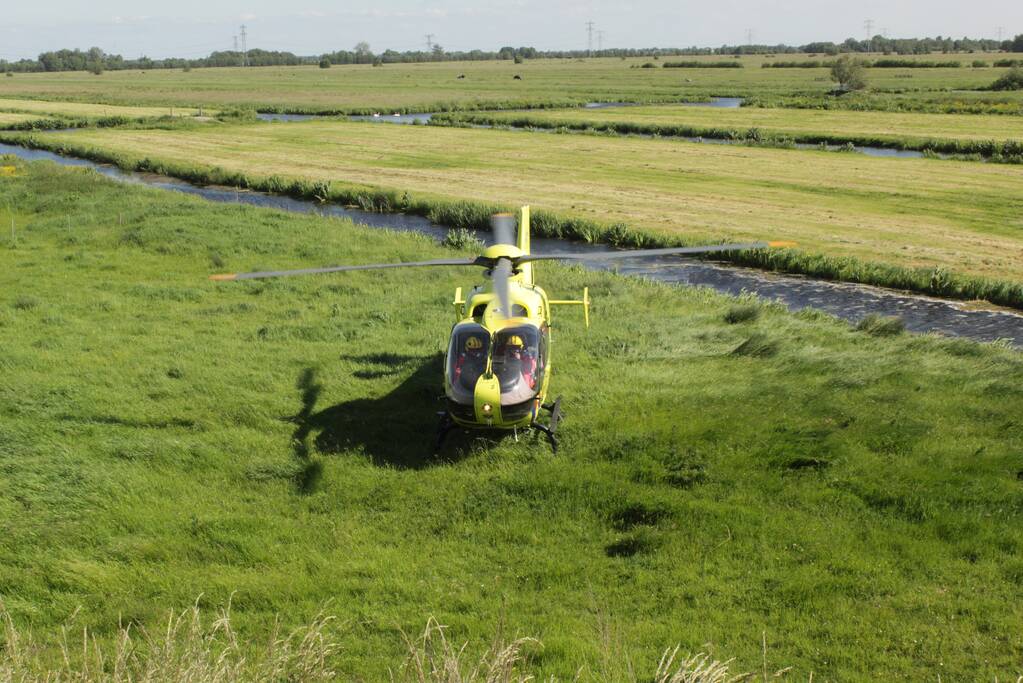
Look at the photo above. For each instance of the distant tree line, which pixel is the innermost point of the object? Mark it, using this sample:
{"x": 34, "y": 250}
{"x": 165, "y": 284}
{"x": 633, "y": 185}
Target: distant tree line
{"x": 915, "y": 46}
{"x": 96, "y": 60}
{"x": 881, "y": 64}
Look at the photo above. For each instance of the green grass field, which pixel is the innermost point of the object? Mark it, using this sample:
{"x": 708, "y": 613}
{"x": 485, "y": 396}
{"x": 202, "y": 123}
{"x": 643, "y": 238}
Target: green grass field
{"x": 853, "y": 499}
{"x": 434, "y": 86}
{"x": 907, "y": 130}
{"x": 913, "y": 213}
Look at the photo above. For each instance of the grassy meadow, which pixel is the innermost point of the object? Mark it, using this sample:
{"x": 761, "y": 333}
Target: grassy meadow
{"x": 890, "y": 129}
{"x": 730, "y": 472}
{"x": 436, "y": 86}
{"x": 926, "y": 216}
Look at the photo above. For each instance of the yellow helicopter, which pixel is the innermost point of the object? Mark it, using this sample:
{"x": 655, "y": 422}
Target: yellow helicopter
{"x": 497, "y": 368}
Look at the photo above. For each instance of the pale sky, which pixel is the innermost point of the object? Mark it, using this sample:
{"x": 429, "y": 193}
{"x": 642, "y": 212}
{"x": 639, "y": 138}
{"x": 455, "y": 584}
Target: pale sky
{"x": 194, "y": 28}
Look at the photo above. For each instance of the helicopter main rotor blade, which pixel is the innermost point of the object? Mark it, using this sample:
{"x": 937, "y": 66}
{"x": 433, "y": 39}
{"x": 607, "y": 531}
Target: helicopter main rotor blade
{"x": 503, "y": 226}
{"x": 501, "y": 275}
{"x": 634, "y": 253}
{"x": 342, "y": 269}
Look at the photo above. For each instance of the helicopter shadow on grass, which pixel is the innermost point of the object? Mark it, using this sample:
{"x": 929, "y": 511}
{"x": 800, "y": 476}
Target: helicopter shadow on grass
{"x": 395, "y": 430}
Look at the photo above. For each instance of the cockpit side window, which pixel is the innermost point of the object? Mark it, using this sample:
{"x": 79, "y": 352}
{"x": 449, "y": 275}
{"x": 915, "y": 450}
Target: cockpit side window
{"x": 518, "y": 363}
{"x": 467, "y": 360}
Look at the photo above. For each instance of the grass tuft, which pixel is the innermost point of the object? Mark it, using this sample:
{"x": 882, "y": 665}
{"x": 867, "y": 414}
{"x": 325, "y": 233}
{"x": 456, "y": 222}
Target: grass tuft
{"x": 698, "y": 668}
{"x": 432, "y": 658}
{"x": 638, "y": 514}
{"x": 757, "y": 346}
{"x": 881, "y": 326}
{"x": 742, "y": 314}
{"x": 638, "y": 542}
{"x": 25, "y": 302}
{"x": 463, "y": 239}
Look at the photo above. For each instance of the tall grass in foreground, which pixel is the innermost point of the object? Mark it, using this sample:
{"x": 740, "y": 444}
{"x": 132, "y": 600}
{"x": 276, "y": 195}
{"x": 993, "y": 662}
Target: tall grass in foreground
{"x": 193, "y": 649}
{"x": 188, "y": 649}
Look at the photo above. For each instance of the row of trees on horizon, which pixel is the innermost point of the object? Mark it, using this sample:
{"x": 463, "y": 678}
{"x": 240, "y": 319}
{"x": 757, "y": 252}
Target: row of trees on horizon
{"x": 97, "y": 61}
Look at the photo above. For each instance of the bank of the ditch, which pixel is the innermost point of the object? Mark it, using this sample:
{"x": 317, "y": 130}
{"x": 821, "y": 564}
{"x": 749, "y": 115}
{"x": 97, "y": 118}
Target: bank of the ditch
{"x": 994, "y": 151}
{"x": 66, "y": 123}
{"x": 939, "y": 281}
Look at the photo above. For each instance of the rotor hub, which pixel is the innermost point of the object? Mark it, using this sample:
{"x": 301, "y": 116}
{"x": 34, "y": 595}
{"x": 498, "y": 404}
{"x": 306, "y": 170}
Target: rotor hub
{"x": 497, "y": 251}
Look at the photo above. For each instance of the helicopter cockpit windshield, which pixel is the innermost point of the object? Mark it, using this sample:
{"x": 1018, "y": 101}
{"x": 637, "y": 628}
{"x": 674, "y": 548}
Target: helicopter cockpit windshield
{"x": 467, "y": 360}
{"x": 518, "y": 361}
{"x": 518, "y": 358}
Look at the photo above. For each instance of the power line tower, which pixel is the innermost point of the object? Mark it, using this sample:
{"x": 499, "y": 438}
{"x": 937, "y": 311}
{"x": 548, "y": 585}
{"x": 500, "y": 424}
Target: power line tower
{"x": 600, "y": 40}
{"x": 868, "y": 26}
{"x": 749, "y": 36}
{"x": 429, "y": 42}
{"x": 245, "y": 47}
{"x": 236, "y": 42}
{"x": 1001, "y": 33}
{"x": 589, "y": 38}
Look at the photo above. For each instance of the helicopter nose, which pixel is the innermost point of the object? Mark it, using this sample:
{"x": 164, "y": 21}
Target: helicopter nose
{"x": 487, "y": 398}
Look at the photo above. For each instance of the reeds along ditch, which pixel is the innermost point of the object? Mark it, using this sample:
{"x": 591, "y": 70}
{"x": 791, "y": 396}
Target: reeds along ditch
{"x": 476, "y": 216}
{"x": 890, "y": 102}
{"x": 997, "y": 151}
{"x": 61, "y": 122}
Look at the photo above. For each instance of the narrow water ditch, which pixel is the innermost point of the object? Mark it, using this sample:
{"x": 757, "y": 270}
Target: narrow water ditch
{"x": 394, "y": 117}
{"x": 850, "y": 302}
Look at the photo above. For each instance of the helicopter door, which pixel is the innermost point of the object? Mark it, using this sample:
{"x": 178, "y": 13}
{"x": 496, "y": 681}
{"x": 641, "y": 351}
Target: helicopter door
{"x": 466, "y": 361}
{"x": 519, "y": 360}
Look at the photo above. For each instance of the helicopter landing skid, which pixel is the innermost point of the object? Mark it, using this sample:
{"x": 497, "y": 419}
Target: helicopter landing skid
{"x": 447, "y": 425}
{"x": 552, "y": 428}
{"x": 443, "y": 429}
